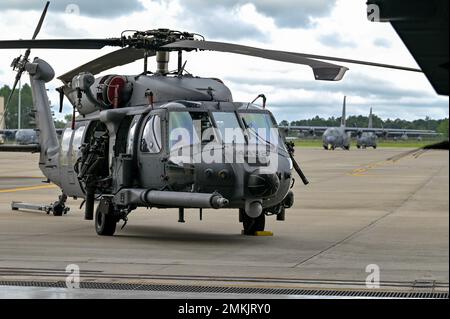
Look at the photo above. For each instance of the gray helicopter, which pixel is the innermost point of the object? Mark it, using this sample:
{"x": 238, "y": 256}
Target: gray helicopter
{"x": 340, "y": 137}
{"x": 146, "y": 140}
{"x": 26, "y": 136}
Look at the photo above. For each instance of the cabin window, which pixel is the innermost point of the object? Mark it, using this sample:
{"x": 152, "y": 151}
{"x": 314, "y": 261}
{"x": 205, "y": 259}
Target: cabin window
{"x": 131, "y": 135}
{"x": 65, "y": 144}
{"x": 76, "y": 143}
{"x": 151, "y": 136}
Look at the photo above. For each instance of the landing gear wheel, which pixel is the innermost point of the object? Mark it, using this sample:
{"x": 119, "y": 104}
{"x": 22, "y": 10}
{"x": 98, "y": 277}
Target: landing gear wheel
{"x": 58, "y": 210}
{"x": 105, "y": 221}
{"x": 253, "y": 225}
{"x": 59, "y": 207}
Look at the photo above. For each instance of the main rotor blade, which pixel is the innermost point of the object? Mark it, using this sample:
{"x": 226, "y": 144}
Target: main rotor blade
{"x": 106, "y": 62}
{"x": 60, "y": 43}
{"x": 239, "y": 49}
{"x": 322, "y": 70}
{"x": 336, "y": 59}
{"x": 41, "y": 20}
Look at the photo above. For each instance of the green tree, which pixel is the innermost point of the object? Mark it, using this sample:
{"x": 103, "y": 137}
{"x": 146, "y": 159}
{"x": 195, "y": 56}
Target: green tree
{"x": 60, "y": 124}
{"x": 11, "y": 118}
{"x": 443, "y": 127}
{"x": 68, "y": 118}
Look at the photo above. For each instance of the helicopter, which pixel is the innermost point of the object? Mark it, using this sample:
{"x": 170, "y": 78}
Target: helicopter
{"x": 146, "y": 140}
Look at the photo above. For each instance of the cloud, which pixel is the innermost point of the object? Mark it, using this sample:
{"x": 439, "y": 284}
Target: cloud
{"x": 356, "y": 84}
{"x": 59, "y": 27}
{"x": 336, "y": 40}
{"x": 217, "y": 20}
{"x": 291, "y": 99}
{"x": 294, "y": 13}
{"x": 218, "y": 25}
{"x": 287, "y": 13}
{"x": 381, "y": 42}
{"x": 97, "y": 8}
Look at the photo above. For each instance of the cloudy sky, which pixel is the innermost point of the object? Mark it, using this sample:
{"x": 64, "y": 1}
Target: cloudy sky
{"x": 325, "y": 27}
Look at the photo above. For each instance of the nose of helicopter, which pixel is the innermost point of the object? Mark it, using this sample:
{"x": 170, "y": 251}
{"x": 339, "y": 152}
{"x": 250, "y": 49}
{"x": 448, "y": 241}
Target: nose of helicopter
{"x": 263, "y": 185}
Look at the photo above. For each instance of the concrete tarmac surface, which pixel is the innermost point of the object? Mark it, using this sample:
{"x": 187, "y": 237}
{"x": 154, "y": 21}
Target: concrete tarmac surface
{"x": 360, "y": 209}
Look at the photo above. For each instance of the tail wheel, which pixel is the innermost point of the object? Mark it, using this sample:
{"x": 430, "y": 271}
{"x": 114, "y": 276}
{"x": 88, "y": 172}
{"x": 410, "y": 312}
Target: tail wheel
{"x": 253, "y": 225}
{"x": 105, "y": 221}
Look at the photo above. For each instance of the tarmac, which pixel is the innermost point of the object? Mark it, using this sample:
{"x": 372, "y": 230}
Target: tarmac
{"x": 364, "y": 210}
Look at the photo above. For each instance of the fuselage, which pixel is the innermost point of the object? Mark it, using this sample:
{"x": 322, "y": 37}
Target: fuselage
{"x": 335, "y": 137}
{"x": 205, "y": 144}
{"x": 367, "y": 139}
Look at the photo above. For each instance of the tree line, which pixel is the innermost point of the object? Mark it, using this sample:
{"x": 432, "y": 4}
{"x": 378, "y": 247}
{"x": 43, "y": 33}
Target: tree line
{"x": 26, "y": 118}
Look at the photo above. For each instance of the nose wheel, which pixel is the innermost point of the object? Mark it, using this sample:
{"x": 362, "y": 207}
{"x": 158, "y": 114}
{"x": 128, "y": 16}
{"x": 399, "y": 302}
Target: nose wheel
{"x": 105, "y": 219}
{"x": 252, "y": 225}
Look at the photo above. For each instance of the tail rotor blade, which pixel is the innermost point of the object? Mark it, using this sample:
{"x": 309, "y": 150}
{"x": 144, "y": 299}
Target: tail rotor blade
{"x": 41, "y": 21}
{"x": 20, "y": 62}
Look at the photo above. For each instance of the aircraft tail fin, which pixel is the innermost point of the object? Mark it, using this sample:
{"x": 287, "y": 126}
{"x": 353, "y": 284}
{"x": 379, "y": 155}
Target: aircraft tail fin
{"x": 370, "y": 119}
{"x": 343, "y": 118}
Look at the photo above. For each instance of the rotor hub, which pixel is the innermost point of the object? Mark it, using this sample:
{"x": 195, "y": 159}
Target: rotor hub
{"x": 155, "y": 39}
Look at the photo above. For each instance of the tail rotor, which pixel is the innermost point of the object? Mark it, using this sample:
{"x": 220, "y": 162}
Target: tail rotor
{"x": 19, "y": 63}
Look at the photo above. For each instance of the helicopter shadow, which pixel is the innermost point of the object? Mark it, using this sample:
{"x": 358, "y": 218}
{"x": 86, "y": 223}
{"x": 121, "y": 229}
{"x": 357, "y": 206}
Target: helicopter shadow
{"x": 175, "y": 234}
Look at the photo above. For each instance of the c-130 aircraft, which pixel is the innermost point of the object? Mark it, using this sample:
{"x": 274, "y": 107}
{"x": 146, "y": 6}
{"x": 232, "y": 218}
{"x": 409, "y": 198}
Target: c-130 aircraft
{"x": 120, "y": 150}
{"x": 340, "y": 137}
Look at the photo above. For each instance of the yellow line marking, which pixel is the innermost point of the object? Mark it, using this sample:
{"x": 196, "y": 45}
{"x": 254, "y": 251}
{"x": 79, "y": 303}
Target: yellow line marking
{"x": 29, "y": 188}
{"x": 362, "y": 171}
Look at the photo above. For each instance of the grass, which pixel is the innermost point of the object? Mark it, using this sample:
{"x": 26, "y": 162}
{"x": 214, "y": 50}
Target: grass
{"x": 412, "y": 143}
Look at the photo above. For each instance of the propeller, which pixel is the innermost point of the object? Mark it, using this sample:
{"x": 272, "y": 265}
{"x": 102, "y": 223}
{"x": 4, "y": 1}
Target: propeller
{"x": 20, "y": 62}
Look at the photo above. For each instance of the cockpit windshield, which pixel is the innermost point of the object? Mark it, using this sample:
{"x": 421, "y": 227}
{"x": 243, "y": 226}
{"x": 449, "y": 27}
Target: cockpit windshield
{"x": 228, "y": 126}
{"x": 261, "y": 127}
{"x": 193, "y": 128}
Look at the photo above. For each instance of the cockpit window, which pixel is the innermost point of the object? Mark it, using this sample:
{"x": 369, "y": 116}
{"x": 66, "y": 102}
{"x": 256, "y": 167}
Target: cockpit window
{"x": 151, "y": 137}
{"x": 190, "y": 128}
{"x": 261, "y": 127}
{"x": 228, "y": 126}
